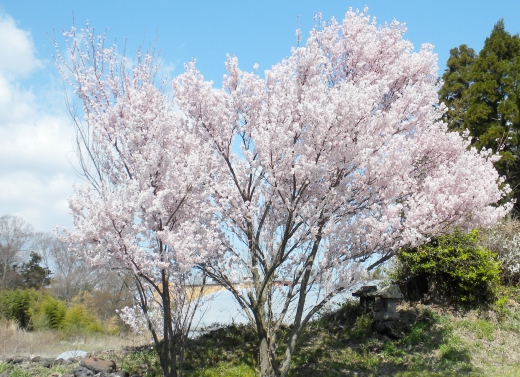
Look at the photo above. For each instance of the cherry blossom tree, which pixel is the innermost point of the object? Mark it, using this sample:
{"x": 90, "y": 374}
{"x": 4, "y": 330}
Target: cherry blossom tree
{"x": 310, "y": 175}
{"x": 325, "y": 167}
{"x": 141, "y": 208}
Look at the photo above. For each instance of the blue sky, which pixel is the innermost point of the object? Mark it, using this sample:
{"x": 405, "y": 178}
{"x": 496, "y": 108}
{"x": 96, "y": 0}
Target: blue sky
{"x": 35, "y": 129}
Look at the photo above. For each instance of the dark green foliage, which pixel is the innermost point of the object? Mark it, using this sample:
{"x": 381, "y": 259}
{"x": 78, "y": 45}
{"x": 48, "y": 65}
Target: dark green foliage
{"x": 16, "y": 305}
{"x": 27, "y": 275}
{"x": 483, "y": 95}
{"x": 451, "y": 268}
{"x": 34, "y": 275}
{"x": 454, "y": 92}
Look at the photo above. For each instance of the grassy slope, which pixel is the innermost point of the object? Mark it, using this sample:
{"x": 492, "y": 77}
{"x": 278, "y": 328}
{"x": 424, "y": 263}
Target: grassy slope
{"x": 342, "y": 343}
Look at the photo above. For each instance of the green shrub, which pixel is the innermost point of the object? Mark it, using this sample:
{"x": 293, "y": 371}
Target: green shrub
{"x": 362, "y": 327}
{"x": 16, "y": 305}
{"x": 53, "y": 312}
{"x": 451, "y": 268}
{"x": 79, "y": 320}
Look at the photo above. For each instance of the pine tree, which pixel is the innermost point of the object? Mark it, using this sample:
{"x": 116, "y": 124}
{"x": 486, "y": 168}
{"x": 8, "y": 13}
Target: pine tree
{"x": 483, "y": 95}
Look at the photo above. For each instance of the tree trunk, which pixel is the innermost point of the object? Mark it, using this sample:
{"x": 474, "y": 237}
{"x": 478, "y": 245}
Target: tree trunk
{"x": 267, "y": 364}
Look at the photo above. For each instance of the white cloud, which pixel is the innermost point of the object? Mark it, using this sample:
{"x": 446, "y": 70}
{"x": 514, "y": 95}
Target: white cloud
{"x": 40, "y": 199}
{"x": 35, "y": 137}
{"x": 16, "y": 49}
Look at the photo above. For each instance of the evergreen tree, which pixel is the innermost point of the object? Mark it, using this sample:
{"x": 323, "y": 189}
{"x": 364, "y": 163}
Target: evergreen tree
{"x": 454, "y": 92}
{"x": 34, "y": 275}
{"x": 483, "y": 95}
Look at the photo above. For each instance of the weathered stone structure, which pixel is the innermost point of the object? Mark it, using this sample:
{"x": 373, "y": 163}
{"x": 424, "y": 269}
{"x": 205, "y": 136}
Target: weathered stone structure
{"x": 382, "y": 303}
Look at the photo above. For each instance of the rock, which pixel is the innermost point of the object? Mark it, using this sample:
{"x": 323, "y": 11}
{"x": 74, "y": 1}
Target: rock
{"x": 73, "y": 354}
{"x": 120, "y": 373}
{"x": 384, "y": 339}
{"x": 98, "y": 365}
{"x": 6, "y": 373}
{"x": 35, "y": 359}
{"x": 17, "y": 360}
{"x": 48, "y": 362}
{"x": 55, "y": 374}
{"x": 388, "y": 328}
{"x": 82, "y": 372}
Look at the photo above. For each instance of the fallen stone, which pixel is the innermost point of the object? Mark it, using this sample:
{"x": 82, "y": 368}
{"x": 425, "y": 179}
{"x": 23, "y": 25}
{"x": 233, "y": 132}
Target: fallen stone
{"x": 17, "y": 360}
{"x": 389, "y": 328}
{"x": 73, "y": 354}
{"x": 120, "y": 373}
{"x": 35, "y": 359}
{"x": 82, "y": 372}
{"x": 98, "y": 365}
{"x": 46, "y": 363}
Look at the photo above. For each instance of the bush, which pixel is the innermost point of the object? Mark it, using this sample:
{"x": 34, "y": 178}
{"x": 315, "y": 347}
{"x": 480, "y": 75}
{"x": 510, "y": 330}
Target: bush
{"x": 50, "y": 313}
{"x": 16, "y": 305}
{"x": 39, "y": 311}
{"x": 79, "y": 320}
{"x": 452, "y": 268}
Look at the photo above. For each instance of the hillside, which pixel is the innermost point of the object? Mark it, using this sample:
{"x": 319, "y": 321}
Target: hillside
{"x": 428, "y": 341}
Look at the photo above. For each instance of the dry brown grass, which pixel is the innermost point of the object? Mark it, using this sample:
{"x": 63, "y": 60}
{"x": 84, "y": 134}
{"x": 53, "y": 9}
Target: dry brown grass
{"x": 18, "y": 342}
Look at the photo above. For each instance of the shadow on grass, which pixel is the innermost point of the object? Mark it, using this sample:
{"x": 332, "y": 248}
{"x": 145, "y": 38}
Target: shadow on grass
{"x": 341, "y": 343}
{"x": 233, "y": 345}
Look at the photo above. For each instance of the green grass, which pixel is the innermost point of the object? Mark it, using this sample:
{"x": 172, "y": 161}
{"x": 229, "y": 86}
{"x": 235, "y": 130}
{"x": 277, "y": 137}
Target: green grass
{"x": 16, "y": 372}
{"x": 224, "y": 369}
{"x": 4, "y": 367}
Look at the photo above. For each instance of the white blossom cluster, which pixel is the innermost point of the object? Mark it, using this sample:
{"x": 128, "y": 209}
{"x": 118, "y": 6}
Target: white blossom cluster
{"x": 504, "y": 239}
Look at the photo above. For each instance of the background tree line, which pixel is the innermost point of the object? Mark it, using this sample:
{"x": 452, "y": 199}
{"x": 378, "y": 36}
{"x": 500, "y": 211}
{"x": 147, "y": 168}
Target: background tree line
{"x": 39, "y": 276}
